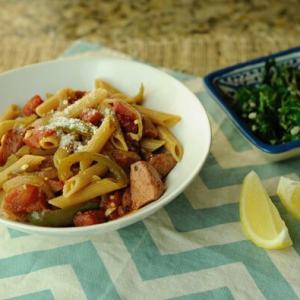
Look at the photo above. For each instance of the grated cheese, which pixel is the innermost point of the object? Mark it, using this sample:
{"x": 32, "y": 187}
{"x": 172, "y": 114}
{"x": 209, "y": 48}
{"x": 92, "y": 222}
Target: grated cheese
{"x": 24, "y": 167}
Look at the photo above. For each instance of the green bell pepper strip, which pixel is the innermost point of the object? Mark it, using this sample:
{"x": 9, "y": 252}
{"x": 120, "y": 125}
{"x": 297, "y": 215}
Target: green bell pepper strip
{"x": 59, "y": 217}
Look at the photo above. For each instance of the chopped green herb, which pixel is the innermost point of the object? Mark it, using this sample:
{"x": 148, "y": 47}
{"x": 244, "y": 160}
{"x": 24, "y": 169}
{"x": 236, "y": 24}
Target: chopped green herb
{"x": 271, "y": 109}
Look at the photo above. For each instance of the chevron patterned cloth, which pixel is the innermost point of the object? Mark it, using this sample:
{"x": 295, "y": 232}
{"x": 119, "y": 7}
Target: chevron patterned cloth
{"x": 191, "y": 249}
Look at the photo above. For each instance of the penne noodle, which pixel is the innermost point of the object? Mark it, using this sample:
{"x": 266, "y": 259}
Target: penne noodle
{"x": 158, "y": 117}
{"x": 11, "y": 160}
{"x": 10, "y": 124}
{"x": 23, "y": 151}
{"x": 117, "y": 94}
{"x": 28, "y": 179}
{"x": 139, "y": 97}
{"x": 82, "y": 179}
{"x": 60, "y": 154}
{"x": 151, "y": 145}
{"x": 24, "y": 163}
{"x": 139, "y": 122}
{"x": 53, "y": 102}
{"x": 172, "y": 144}
{"x": 48, "y": 173}
{"x": 11, "y": 113}
{"x": 101, "y": 84}
{"x": 93, "y": 190}
{"x": 49, "y": 142}
{"x": 99, "y": 139}
{"x": 42, "y": 152}
{"x": 117, "y": 139}
{"x": 90, "y": 100}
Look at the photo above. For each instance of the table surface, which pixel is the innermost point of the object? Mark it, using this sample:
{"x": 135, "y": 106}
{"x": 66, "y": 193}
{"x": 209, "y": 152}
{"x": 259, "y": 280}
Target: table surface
{"x": 187, "y": 35}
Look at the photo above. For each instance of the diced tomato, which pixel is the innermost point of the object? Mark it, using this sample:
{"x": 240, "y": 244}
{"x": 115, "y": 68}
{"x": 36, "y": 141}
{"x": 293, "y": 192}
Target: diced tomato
{"x": 31, "y": 105}
{"x": 89, "y": 217}
{"x": 12, "y": 141}
{"x": 78, "y": 95}
{"x": 25, "y": 199}
{"x": 126, "y": 117}
{"x": 56, "y": 185}
{"x": 32, "y": 137}
{"x": 114, "y": 200}
{"x": 92, "y": 116}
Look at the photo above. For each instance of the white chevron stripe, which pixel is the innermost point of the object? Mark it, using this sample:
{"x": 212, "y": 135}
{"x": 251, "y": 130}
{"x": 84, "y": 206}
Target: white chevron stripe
{"x": 201, "y": 197}
{"x": 227, "y": 157}
{"x": 53, "y": 278}
{"x": 28, "y": 243}
{"x": 287, "y": 262}
{"x": 130, "y": 285}
{"x": 169, "y": 241}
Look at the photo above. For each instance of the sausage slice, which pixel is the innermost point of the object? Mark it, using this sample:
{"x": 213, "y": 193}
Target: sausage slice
{"x": 163, "y": 163}
{"x": 145, "y": 182}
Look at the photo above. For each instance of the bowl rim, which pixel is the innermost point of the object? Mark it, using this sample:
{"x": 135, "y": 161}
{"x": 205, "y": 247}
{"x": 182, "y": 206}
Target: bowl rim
{"x": 142, "y": 212}
{"x": 240, "y": 124}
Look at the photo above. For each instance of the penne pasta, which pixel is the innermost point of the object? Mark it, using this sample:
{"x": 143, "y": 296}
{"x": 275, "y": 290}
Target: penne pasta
{"x": 158, "y": 117}
{"x": 117, "y": 139}
{"x": 171, "y": 143}
{"x": 24, "y": 163}
{"x": 11, "y": 113}
{"x": 99, "y": 139}
{"x": 9, "y": 124}
{"x": 59, "y": 155}
{"x": 53, "y": 102}
{"x": 138, "y": 121}
{"x": 101, "y": 84}
{"x": 82, "y": 179}
{"x": 28, "y": 179}
{"x": 49, "y": 142}
{"x": 117, "y": 94}
{"x": 92, "y": 99}
{"x": 93, "y": 190}
{"x": 23, "y": 151}
{"x": 151, "y": 145}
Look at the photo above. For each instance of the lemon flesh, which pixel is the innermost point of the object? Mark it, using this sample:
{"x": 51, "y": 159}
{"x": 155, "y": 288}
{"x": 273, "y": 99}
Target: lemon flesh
{"x": 260, "y": 218}
{"x": 288, "y": 191}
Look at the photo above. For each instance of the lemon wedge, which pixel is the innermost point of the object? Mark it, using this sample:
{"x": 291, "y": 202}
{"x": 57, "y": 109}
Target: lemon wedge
{"x": 288, "y": 191}
{"x": 260, "y": 218}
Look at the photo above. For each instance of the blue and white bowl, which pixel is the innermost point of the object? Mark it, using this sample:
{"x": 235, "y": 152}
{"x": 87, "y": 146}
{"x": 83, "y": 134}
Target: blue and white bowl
{"x": 224, "y": 83}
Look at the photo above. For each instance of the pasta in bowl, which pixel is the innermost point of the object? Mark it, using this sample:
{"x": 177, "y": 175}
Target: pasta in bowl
{"x": 82, "y": 158}
{"x": 106, "y": 153}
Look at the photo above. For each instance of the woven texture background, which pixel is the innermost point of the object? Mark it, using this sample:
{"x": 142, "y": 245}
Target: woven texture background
{"x": 195, "y": 56}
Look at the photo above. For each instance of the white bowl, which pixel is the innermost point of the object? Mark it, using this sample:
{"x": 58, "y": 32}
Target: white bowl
{"x": 163, "y": 92}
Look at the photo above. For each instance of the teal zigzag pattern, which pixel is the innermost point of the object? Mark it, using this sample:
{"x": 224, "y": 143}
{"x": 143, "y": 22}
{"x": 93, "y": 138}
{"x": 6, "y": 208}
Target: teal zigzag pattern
{"x": 83, "y": 258}
{"x": 216, "y": 294}
{"x": 151, "y": 264}
{"x": 45, "y": 295}
{"x": 266, "y": 276}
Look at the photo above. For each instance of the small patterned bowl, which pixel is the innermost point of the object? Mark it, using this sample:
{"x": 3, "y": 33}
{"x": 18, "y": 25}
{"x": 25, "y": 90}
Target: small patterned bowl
{"x": 223, "y": 84}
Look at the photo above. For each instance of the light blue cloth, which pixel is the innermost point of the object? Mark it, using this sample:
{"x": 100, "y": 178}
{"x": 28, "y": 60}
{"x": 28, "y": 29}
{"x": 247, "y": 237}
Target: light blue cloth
{"x": 191, "y": 249}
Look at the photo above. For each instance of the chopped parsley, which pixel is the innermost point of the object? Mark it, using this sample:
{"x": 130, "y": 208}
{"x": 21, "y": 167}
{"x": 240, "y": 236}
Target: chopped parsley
{"x": 271, "y": 109}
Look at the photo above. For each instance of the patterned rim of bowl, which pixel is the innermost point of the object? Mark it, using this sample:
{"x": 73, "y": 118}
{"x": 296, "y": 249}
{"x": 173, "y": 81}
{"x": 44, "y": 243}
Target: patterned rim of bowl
{"x": 249, "y": 73}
